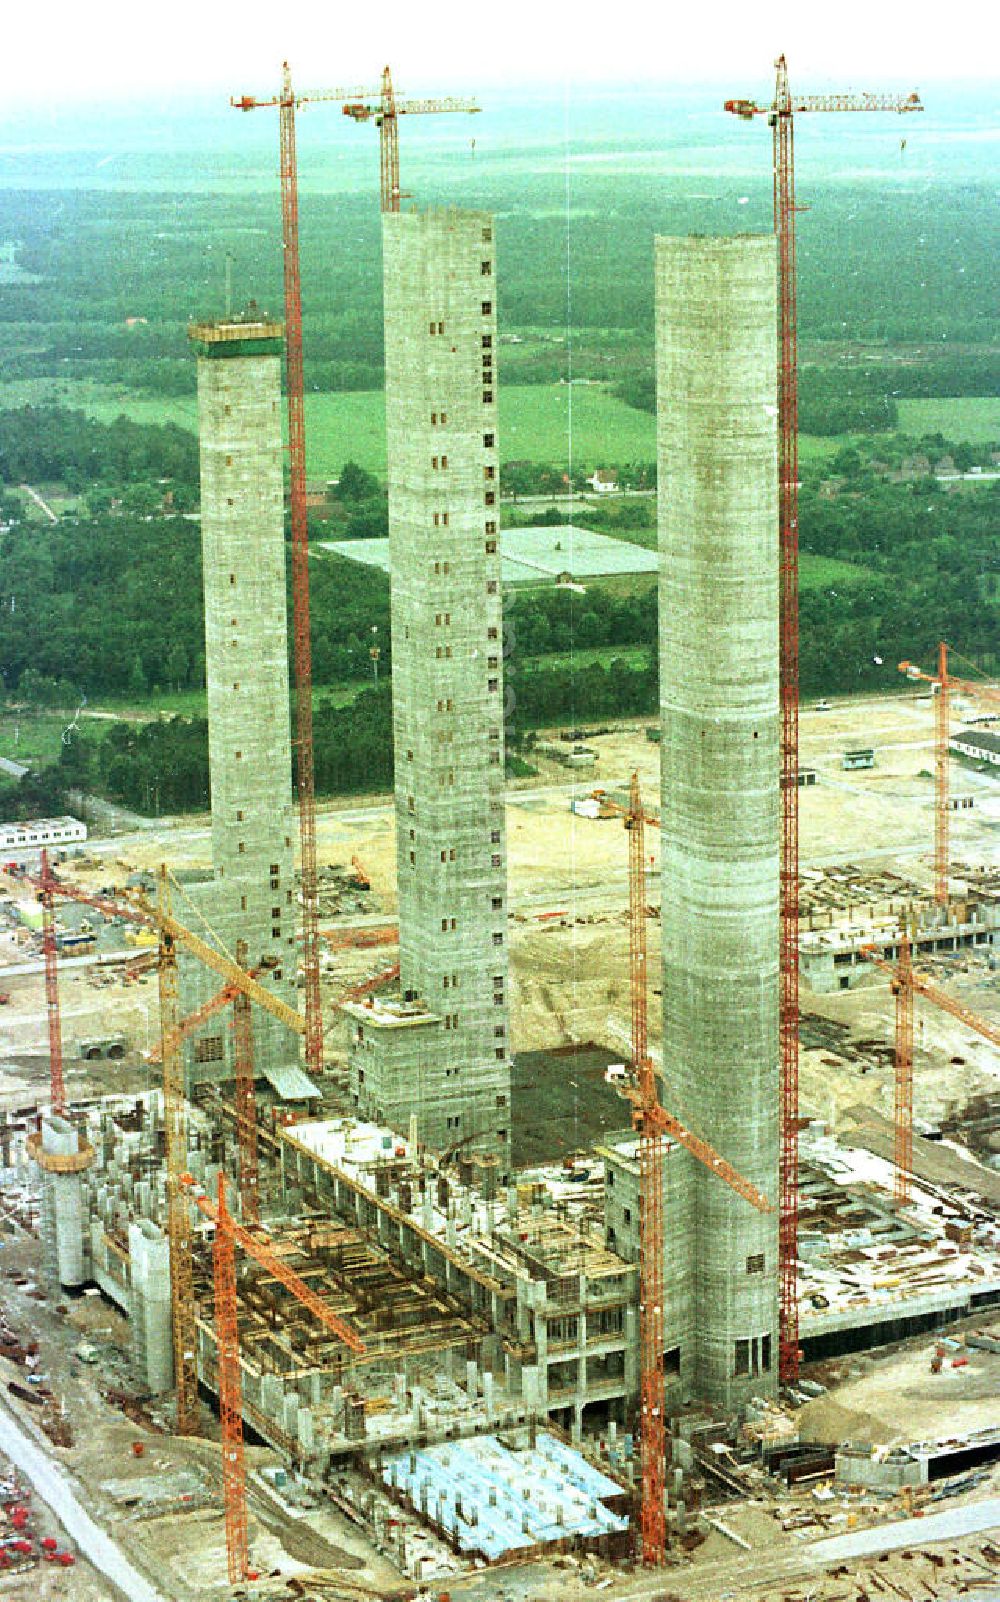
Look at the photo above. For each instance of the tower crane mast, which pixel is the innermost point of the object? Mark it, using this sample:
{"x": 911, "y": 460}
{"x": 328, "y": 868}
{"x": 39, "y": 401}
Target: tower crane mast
{"x": 229, "y": 1234}
{"x": 944, "y": 682}
{"x": 656, "y": 1128}
{"x": 50, "y": 955}
{"x": 905, "y": 981}
{"x": 781, "y": 118}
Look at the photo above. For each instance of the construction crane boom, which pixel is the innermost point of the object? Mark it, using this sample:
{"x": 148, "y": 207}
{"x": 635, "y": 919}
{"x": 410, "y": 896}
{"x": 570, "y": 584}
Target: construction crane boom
{"x": 255, "y": 1245}
{"x": 926, "y": 987}
{"x": 138, "y": 909}
{"x": 781, "y": 118}
{"x": 201, "y": 1015}
{"x": 228, "y": 1235}
{"x": 383, "y": 108}
{"x": 286, "y": 102}
{"x": 904, "y": 982}
{"x": 944, "y": 682}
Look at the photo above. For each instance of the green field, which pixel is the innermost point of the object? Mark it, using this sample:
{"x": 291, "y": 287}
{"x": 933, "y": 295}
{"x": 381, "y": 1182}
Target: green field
{"x": 829, "y": 572}
{"x": 538, "y": 423}
{"x": 972, "y": 418}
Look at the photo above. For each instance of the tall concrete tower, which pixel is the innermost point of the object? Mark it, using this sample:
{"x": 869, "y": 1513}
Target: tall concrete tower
{"x": 443, "y": 1056}
{"x": 716, "y": 343}
{"x": 252, "y": 896}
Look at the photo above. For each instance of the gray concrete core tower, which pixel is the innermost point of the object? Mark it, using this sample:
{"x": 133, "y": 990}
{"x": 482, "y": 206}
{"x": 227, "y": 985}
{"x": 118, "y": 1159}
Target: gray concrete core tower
{"x": 716, "y": 344}
{"x": 447, "y": 1060}
{"x": 252, "y": 896}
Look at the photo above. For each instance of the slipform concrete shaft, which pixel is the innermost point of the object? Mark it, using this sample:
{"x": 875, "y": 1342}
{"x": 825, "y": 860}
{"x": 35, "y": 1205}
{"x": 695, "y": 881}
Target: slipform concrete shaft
{"x": 716, "y": 344}
{"x": 246, "y": 668}
{"x": 447, "y": 675}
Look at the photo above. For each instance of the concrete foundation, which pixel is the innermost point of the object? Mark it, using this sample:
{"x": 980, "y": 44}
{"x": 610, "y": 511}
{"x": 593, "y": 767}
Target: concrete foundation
{"x": 716, "y": 342}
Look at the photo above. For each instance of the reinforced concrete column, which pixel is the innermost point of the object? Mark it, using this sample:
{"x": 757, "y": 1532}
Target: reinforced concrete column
{"x": 64, "y": 1155}
{"x": 716, "y": 357}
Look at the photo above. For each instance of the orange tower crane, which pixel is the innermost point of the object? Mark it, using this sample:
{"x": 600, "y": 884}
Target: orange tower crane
{"x": 171, "y": 933}
{"x": 365, "y": 988}
{"x": 944, "y": 682}
{"x": 902, "y": 987}
{"x": 780, "y": 115}
{"x": 208, "y": 1009}
{"x": 656, "y": 1128}
{"x": 51, "y": 955}
{"x": 178, "y": 1219}
{"x": 905, "y": 981}
{"x": 246, "y": 1106}
{"x": 286, "y": 102}
{"x": 229, "y": 1235}
{"x": 383, "y": 108}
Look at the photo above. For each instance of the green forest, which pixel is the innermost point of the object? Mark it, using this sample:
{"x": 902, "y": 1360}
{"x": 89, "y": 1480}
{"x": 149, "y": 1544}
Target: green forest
{"x": 896, "y": 303}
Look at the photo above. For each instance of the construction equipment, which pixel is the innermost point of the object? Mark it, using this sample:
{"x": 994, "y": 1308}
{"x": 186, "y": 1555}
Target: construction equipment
{"x": 136, "y": 906}
{"x": 780, "y": 115}
{"x": 50, "y": 953}
{"x": 361, "y": 879}
{"x": 246, "y": 1106}
{"x": 202, "y": 1014}
{"x": 178, "y": 1220}
{"x": 656, "y": 1127}
{"x": 383, "y": 108}
{"x": 365, "y": 988}
{"x": 943, "y": 685}
{"x": 286, "y": 103}
{"x": 171, "y": 933}
{"x": 361, "y": 937}
{"x": 905, "y": 981}
{"x": 229, "y": 1235}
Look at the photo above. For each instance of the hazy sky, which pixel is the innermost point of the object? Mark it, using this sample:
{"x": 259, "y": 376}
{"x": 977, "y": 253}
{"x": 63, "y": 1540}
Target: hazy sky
{"x": 92, "y": 50}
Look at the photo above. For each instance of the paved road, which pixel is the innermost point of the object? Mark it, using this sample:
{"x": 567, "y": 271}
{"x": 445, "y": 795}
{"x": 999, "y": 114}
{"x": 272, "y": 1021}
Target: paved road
{"x": 968, "y": 1519}
{"x": 56, "y": 1489}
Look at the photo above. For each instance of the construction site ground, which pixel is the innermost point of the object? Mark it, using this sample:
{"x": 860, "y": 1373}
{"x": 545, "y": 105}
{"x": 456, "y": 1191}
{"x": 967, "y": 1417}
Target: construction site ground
{"x": 568, "y": 934}
{"x": 569, "y": 957}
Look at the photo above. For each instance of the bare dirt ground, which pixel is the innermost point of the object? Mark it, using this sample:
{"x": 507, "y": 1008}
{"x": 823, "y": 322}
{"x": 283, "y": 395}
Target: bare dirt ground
{"x": 570, "y": 973}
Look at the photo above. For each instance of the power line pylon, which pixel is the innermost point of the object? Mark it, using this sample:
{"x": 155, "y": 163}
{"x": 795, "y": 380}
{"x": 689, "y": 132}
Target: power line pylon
{"x": 943, "y": 684}
{"x": 178, "y": 1219}
{"x": 780, "y": 115}
{"x": 384, "y": 109}
{"x": 57, "y": 1092}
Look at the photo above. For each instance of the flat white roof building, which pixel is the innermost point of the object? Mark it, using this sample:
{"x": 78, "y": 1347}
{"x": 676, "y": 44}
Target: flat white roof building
{"x": 34, "y": 833}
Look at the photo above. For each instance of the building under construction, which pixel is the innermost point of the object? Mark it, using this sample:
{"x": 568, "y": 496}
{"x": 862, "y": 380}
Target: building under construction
{"x": 250, "y": 900}
{"x": 453, "y": 1350}
{"x": 440, "y": 1055}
